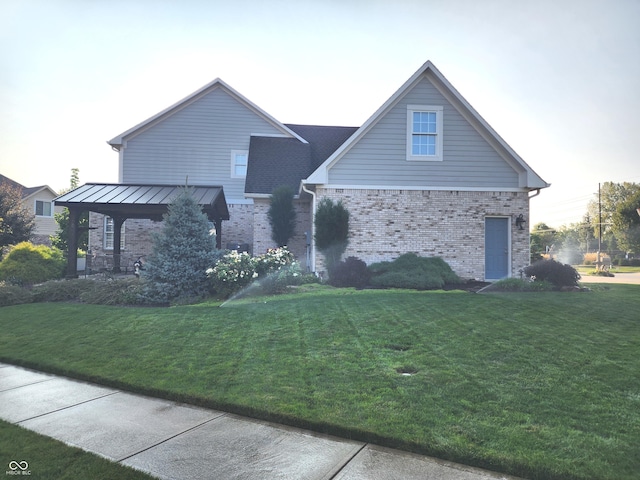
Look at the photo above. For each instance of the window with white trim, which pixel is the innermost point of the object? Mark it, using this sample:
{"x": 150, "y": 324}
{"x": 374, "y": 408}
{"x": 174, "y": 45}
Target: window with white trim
{"x": 109, "y": 230}
{"x": 43, "y": 208}
{"x": 424, "y": 132}
{"x": 239, "y": 162}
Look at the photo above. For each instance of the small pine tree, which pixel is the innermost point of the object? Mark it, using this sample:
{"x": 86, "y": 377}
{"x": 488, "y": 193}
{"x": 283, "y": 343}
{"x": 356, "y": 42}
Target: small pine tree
{"x": 282, "y": 215}
{"x": 332, "y": 231}
{"x": 182, "y": 252}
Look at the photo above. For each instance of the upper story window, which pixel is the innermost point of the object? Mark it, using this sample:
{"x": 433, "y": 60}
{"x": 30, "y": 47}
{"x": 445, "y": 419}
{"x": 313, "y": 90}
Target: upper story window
{"x": 424, "y": 132}
{"x": 239, "y": 162}
{"x": 43, "y": 208}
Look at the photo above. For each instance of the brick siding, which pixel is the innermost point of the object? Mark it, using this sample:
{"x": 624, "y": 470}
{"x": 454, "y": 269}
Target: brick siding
{"x": 447, "y": 224}
{"x": 262, "y": 231}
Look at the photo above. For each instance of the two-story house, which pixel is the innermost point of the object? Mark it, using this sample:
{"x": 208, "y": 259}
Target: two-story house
{"x": 424, "y": 174}
{"x": 39, "y": 201}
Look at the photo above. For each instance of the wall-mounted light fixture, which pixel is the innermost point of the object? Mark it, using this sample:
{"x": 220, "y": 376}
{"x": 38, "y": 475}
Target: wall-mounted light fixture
{"x": 520, "y": 221}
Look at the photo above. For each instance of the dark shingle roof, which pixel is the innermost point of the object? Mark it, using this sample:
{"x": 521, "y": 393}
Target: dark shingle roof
{"x": 324, "y": 140}
{"x": 276, "y": 161}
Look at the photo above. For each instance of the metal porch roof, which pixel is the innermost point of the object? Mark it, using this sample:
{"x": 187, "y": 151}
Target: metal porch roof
{"x": 141, "y": 201}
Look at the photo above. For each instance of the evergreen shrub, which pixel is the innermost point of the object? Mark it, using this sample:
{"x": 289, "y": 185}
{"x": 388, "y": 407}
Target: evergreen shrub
{"x": 352, "y": 272}
{"x": 62, "y": 290}
{"x": 176, "y": 270}
{"x": 560, "y": 275}
{"x": 26, "y": 264}
{"x": 412, "y": 271}
{"x": 13, "y": 295}
{"x": 120, "y": 291}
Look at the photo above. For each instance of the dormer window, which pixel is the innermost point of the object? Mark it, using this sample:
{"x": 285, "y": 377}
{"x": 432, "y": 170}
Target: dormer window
{"x": 239, "y": 162}
{"x": 424, "y": 132}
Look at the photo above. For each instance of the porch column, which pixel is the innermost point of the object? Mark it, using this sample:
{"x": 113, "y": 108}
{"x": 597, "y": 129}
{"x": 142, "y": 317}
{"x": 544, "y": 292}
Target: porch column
{"x": 72, "y": 243}
{"x": 218, "y": 224}
{"x": 117, "y": 246}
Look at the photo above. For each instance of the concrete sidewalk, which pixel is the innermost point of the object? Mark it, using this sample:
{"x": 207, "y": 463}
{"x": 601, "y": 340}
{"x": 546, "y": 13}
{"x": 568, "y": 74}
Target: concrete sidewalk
{"x": 177, "y": 441}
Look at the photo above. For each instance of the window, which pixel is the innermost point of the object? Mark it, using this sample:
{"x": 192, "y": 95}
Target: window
{"x": 424, "y": 132}
{"x": 43, "y": 209}
{"x": 239, "y": 161}
{"x": 108, "y": 234}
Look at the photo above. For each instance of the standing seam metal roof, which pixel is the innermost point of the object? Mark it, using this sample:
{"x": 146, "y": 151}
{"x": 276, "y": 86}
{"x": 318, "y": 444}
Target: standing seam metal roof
{"x": 141, "y": 201}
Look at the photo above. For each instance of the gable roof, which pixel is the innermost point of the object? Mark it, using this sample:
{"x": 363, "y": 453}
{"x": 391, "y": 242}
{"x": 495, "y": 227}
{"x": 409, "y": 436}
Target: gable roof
{"x": 275, "y": 161}
{"x": 117, "y": 141}
{"x": 527, "y": 177}
{"x": 11, "y": 183}
{"x": 27, "y": 191}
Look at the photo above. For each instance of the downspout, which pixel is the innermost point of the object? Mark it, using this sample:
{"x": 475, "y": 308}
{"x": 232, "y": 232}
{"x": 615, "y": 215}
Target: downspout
{"x": 536, "y": 194}
{"x": 313, "y": 225}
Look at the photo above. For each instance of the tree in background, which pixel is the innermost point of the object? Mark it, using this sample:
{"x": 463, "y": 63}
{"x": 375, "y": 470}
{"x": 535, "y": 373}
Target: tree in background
{"x": 332, "y": 231}
{"x": 61, "y": 237}
{"x": 16, "y": 221}
{"x": 605, "y": 206}
{"x": 282, "y": 215}
{"x": 541, "y": 241}
{"x": 625, "y": 223}
{"x": 182, "y": 252}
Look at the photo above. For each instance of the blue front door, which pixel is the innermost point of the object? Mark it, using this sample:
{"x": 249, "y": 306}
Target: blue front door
{"x": 496, "y": 248}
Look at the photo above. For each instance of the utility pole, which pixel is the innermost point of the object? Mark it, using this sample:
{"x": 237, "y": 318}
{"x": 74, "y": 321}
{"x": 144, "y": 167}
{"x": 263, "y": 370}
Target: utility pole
{"x": 599, "y": 227}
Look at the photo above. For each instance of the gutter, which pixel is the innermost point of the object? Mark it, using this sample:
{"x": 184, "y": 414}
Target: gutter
{"x": 313, "y": 225}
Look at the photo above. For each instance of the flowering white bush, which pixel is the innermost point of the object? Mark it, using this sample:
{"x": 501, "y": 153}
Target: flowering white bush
{"x": 234, "y": 271}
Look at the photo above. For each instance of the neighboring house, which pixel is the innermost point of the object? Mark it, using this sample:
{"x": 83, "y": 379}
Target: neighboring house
{"x": 39, "y": 201}
{"x": 424, "y": 174}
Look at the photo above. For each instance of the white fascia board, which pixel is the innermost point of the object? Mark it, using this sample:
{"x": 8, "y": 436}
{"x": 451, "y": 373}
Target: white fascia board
{"x": 264, "y": 195}
{"x": 217, "y": 83}
{"x": 426, "y": 188}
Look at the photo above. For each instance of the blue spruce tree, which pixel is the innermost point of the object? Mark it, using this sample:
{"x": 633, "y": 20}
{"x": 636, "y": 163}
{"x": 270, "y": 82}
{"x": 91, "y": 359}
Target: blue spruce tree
{"x": 182, "y": 252}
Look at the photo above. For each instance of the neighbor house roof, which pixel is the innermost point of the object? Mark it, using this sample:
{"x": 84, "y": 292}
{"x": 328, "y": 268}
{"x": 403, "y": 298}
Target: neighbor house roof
{"x": 141, "y": 201}
{"x": 26, "y": 191}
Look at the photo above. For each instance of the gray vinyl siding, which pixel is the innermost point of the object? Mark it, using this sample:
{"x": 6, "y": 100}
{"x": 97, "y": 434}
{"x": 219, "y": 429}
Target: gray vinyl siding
{"x": 195, "y": 142}
{"x": 379, "y": 158}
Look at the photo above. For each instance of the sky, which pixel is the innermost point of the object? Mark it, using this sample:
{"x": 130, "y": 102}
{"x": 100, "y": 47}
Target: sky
{"x": 559, "y": 80}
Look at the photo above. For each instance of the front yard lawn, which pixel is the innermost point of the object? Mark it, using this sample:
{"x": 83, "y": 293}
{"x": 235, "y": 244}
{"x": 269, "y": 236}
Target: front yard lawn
{"x": 541, "y": 385}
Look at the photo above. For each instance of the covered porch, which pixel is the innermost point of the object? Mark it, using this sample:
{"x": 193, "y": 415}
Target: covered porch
{"x": 123, "y": 201}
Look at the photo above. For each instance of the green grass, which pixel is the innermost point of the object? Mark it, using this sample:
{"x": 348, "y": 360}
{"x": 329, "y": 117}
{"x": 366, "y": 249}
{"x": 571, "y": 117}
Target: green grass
{"x": 51, "y": 459}
{"x": 541, "y": 385}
